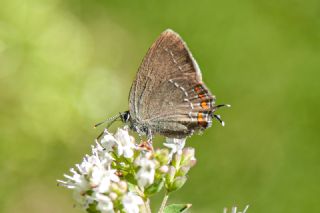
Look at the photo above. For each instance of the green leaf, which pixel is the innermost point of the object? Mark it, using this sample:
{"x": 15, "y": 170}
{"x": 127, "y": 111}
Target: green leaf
{"x": 92, "y": 208}
{"x": 177, "y": 208}
{"x": 132, "y": 187}
{"x": 154, "y": 188}
{"x": 131, "y": 179}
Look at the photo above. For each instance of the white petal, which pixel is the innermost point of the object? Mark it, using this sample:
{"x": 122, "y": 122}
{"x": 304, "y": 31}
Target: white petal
{"x": 105, "y": 204}
{"x": 104, "y": 185}
{"x": 123, "y": 137}
{"x": 108, "y": 141}
{"x": 145, "y": 178}
{"x": 128, "y": 152}
{"x": 131, "y": 203}
{"x": 97, "y": 174}
{"x": 176, "y": 145}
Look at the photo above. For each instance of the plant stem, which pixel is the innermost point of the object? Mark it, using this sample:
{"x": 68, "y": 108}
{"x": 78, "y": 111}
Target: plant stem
{"x": 147, "y": 203}
{"x": 164, "y": 202}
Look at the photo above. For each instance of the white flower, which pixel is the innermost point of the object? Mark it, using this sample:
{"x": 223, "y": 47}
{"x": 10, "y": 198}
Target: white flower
{"x": 77, "y": 181}
{"x": 105, "y": 181}
{"x": 108, "y": 141}
{"x": 101, "y": 178}
{"x": 131, "y": 203}
{"x": 100, "y": 167}
{"x": 125, "y": 143}
{"x": 175, "y": 144}
{"x": 82, "y": 199}
{"x": 122, "y": 142}
{"x": 105, "y": 204}
{"x": 79, "y": 184}
{"x": 145, "y": 175}
{"x": 94, "y": 173}
{"x": 103, "y": 154}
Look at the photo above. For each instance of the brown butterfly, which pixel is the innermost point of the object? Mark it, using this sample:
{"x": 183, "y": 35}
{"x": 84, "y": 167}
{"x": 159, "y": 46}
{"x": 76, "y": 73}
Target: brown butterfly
{"x": 168, "y": 96}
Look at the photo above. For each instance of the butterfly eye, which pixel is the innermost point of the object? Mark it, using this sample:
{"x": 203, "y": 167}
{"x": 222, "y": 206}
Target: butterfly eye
{"x": 125, "y": 117}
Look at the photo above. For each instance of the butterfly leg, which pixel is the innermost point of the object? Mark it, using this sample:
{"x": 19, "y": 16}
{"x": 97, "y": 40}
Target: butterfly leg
{"x": 149, "y": 136}
{"x": 147, "y": 145}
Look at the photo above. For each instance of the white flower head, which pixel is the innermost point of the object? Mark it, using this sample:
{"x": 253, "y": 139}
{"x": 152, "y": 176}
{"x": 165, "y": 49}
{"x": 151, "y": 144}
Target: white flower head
{"x": 131, "y": 203}
{"x": 144, "y": 160}
{"x": 146, "y": 173}
{"x": 108, "y": 141}
{"x": 96, "y": 175}
{"x": 145, "y": 177}
{"x": 91, "y": 177}
{"x": 100, "y": 179}
{"x": 125, "y": 143}
{"x": 175, "y": 144}
{"x": 77, "y": 181}
{"x": 105, "y": 204}
{"x": 103, "y": 154}
{"x": 98, "y": 166}
{"x": 82, "y": 199}
{"x": 105, "y": 181}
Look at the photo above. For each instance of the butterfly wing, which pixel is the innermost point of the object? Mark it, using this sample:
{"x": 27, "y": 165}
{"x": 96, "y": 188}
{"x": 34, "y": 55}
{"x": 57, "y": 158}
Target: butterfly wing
{"x": 168, "y": 95}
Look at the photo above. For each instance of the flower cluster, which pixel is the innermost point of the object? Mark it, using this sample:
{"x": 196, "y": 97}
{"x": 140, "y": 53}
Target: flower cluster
{"x": 121, "y": 175}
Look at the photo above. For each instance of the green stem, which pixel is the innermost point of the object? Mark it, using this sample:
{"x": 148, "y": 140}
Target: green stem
{"x": 164, "y": 202}
{"x": 147, "y": 203}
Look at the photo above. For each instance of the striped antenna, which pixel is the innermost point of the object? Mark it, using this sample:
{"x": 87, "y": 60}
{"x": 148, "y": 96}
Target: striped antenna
{"x": 109, "y": 120}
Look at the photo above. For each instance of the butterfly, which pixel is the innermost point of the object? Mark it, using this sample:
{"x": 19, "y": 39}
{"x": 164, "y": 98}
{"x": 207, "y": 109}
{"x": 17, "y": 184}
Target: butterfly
{"x": 168, "y": 96}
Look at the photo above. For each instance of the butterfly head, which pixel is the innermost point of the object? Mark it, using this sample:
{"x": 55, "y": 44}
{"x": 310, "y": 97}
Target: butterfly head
{"x": 125, "y": 116}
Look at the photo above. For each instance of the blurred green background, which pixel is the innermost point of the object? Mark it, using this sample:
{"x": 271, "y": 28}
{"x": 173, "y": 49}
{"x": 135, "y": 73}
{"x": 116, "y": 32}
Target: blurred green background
{"x": 65, "y": 65}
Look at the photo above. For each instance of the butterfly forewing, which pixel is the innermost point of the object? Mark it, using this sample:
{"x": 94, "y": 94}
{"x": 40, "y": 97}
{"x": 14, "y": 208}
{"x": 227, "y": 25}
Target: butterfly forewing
{"x": 168, "y": 94}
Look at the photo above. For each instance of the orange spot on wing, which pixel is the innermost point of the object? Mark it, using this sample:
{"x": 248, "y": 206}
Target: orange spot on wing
{"x": 201, "y": 121}
{"x": 204, "y": 105}
{"x": 197, "y": 89}
{"x": 201, "y": 96}
{"x": 200, "y": 117}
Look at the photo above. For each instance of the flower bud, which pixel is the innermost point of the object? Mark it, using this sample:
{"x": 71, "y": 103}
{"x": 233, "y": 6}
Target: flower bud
{"x": 113, "y": 196}
{"x": 178, "y": 183}
{"x": 188, "y": 156}
{"x": 123, "y": 186}
{"x": 164, "y": 169}
{"x": 192, "y": 162}
{"x": 183, "y": 170}
{"x": 170, "y": 175}
{"x": 162, "y": 155}
{"x": 114, "y": 187}
{"x": 176, "y": 160}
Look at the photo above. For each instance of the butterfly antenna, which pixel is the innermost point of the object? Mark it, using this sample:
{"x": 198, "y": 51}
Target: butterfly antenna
{"x": 109, "y": 120}
{"x": 100, "y": 135}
